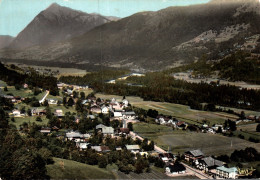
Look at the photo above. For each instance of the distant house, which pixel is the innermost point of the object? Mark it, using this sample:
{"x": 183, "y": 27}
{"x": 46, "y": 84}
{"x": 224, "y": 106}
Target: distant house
{"x": 125, "y": 102}
{"x": 124, "y": 131}
{"x": 25, "y": 86}
{"x": 105, "y": 130}
{"x": 95, "y": 109}
{"x": 133, "y": 148}
{"x": 104, "y": 109}
{"x": 16, "y": 113}
{"x": 38, "y": 111}
{"x": 118, "y": 114}
{"x": 83, "y": 145}
{"x": 227, "y": 173}
{"x": 59, "y": 113}
{"x": 177, "y": 168}
{"x": 45, "y": 130}
{"x": 91, "y": 117}
{"x": 193, "y": 155}
{"x": 52, "y": 101}
{"x": 101, "y": 148}
{"x": 76, "y": 136}
{"x": 129, "y": 115}
{"x": 208, "y": 163}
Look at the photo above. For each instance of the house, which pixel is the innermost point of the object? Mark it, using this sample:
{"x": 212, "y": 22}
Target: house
{"x": 52, "y": 101}
{"x": 91, "y": 117}
{"x": 177, "y": 168}
{"x": 25, "y": 86}
{"x": 193, "y": 155}
{"x": 59, "y": 113}
{"x": 166, "y": 157}
{"x": 104, "y": 110}
{"x": 45, "y": 130}
{"x": 100, "y": 148}
{"x": 76, "y": 136}
{"x": 83, "y": 145}
{"x": 125, "y": 102}
{"x": 118, "y": 149}
{"x": 208, "y": 163}
{"x": 95, "y": 109}
{"x": 108, "y": 131}
{"x": 124, "y": 131}
{"x": 129, "y": 115}
{"x": 227, "y": 173}
{"x": 133, "y": 148}
{"x": 118, "y": 114}
{"x": 38, "y": 111}
{"x": 105, "y": 130}
{"x": 16, "y": 113}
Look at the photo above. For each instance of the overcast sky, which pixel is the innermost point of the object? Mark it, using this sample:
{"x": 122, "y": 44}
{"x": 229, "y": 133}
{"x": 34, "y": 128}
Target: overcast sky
{"x": 16, "y": 14}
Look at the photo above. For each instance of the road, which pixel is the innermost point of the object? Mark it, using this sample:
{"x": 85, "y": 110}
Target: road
{"x": 197, "y": 172}
{"x": 44, "y": 97}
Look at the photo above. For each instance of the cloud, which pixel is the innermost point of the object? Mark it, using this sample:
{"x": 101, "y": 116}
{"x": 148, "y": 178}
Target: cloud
{"x": 63, "y": 0}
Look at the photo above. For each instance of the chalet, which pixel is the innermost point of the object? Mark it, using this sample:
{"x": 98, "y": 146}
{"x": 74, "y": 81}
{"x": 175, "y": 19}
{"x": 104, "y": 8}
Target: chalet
{"x": 227, "y": 173}
{"x": 133, "y": 148}
{"x": 177, "y": 168}
{"x": 129, "y": 115}
{"x": 76, "y": 136}
{"x": 104, "y": 109}
{"x": 193, "y": 155}
{"x": 217, "y": 126}
{"x": 38, "y": 111}
{"x": 208, "y": 163}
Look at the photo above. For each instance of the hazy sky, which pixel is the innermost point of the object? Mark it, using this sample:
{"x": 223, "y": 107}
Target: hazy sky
{"x": 16, "y": 14}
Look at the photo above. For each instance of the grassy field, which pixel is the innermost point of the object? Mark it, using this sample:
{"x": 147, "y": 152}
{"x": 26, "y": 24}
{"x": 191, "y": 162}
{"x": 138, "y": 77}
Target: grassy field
{"x": 248, "y": 130}
{"x": 67, "y": 169}
{"x": 22, "y": 92}
{"x": 181, "y": 141}
{"x": 21, "y": 120}
{"x": 210, "y": 144}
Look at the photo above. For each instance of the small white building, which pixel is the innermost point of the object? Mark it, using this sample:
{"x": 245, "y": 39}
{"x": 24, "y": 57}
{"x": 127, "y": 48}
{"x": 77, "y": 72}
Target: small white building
{"x": 16, "y": 113}
{"x": 104, "y": 109}
{"x": 133, "y": 148}
{"x": 227, "y": 173}
{"x": 129, "y": 115}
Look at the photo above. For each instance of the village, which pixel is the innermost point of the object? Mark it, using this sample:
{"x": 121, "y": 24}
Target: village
{"x": 114, "y": 119}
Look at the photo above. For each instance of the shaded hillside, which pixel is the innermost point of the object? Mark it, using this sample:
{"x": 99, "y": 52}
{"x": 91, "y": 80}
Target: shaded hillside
{"x": 5, "y": 41}
{"x": 55, "y": 24}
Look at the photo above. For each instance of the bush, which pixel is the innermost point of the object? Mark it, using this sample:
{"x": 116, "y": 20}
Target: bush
{"x": 39, "y": 119}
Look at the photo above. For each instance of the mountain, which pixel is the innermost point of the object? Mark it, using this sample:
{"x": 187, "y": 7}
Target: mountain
{"x": 55, "y": 24}
{"x": 5, "y": 41}
{"x": 155, "y": 40}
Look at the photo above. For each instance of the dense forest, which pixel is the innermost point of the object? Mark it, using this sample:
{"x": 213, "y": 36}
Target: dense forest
{"x": 15, "y": 76}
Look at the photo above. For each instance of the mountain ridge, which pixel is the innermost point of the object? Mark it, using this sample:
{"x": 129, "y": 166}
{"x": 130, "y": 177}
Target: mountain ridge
{"x": 161, "y": 38}
{"x": 55, "y": 24}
